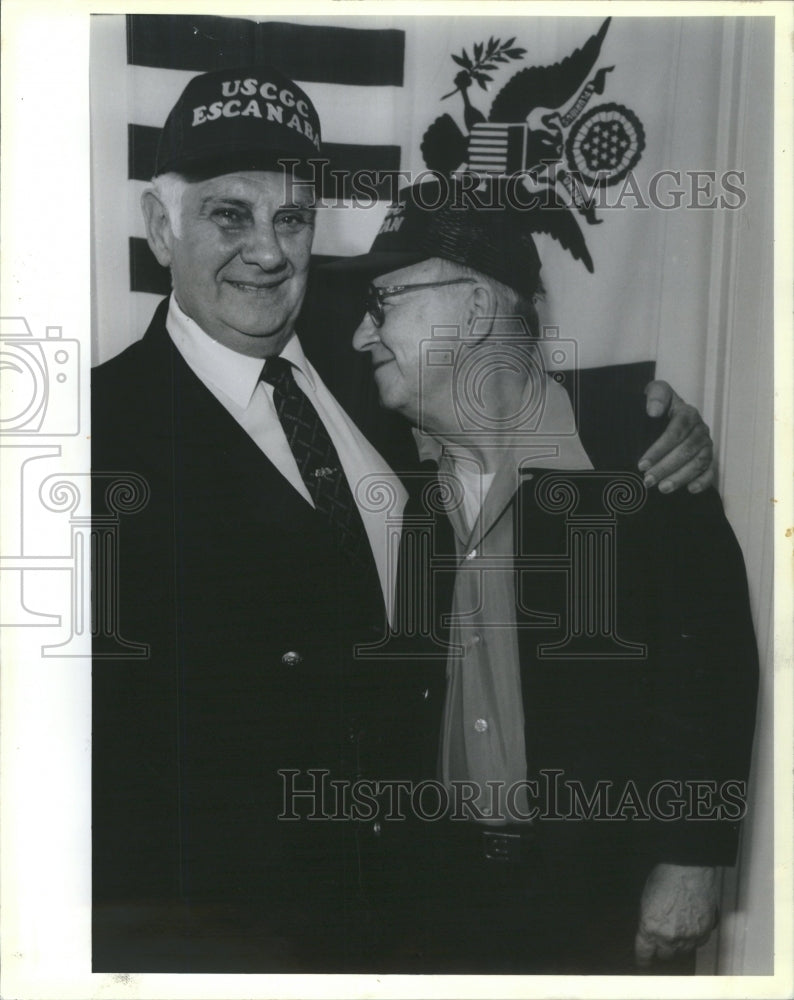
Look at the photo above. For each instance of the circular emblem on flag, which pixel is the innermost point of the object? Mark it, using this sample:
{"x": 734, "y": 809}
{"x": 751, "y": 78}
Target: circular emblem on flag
{"x": 605, "y": 144}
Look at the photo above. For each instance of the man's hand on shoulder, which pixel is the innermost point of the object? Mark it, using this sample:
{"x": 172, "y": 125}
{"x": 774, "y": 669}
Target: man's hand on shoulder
{"x": 677, "y": 913}
{"x": 684, "y": 453}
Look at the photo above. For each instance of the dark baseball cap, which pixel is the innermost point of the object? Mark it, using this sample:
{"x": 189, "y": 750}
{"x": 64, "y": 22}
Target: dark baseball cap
{"x": 248, "y": 118}
{"x": 443, "y": 217}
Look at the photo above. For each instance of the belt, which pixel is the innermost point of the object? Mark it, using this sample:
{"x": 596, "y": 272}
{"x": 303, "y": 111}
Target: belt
{"x": 502, "y": 845}
{"x": 508, "y": 846}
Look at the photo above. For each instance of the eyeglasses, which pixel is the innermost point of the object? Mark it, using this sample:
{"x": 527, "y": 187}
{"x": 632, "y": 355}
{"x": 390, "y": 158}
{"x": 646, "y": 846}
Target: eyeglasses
{"x": 376, "y": 294}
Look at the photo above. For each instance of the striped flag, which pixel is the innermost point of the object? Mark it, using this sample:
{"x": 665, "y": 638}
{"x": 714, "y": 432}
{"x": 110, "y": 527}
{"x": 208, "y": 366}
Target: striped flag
{"x": 168, "y": 49}
{"x": 496, "y": 148}
{"x": 378, "y": 83}
{"x": 353, "y": 70}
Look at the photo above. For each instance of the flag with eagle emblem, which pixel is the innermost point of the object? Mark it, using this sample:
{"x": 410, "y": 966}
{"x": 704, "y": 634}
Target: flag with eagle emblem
{"x": 599, "y": 119}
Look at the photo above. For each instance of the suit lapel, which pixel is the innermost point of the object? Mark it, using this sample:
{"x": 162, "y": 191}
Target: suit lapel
{"x": 554, "y": 444}
{"x": 197, "y": 423}
{"x": 515, "y": 466}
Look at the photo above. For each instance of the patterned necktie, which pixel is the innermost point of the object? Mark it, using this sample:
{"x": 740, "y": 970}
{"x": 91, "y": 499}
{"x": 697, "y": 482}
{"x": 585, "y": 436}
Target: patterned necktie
{"x": 318, "y": 462}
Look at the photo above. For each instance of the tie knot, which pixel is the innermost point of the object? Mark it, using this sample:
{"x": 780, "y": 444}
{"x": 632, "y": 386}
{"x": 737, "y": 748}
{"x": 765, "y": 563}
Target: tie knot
{"x": 276, "y": 371}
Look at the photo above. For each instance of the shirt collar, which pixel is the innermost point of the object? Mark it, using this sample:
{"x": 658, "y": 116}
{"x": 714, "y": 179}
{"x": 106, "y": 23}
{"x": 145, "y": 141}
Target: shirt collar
{"x": 557, "y": 425}
{"x": 429, "y": 448}
{"x": 236, "y": 375}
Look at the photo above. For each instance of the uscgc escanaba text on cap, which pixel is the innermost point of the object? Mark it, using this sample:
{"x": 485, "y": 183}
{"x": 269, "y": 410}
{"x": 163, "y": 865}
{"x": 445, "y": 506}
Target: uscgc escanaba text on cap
{"x": 248, "y": 118}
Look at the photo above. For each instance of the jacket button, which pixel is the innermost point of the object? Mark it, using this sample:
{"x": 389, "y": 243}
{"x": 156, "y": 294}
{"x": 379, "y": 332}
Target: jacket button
{"x": 291, "y": 659}
{"x": 376, "y": 829}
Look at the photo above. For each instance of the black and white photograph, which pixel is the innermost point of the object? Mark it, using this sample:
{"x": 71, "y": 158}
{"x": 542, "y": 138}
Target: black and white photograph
{"x": 395, "y": 566}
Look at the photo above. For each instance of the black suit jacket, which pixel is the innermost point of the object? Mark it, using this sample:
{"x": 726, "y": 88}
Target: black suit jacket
{"x": 224, "y": 574}
{"x": 636, "y": 760}
{"x": 673, "y": 719}
{"x": 250, "y": 616}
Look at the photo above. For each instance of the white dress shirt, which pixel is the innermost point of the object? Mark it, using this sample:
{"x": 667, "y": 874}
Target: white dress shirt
{"x": 234, "y": 380}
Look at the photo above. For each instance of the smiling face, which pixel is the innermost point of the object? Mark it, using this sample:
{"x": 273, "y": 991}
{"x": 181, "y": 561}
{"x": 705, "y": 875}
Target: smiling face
{"x": 240, "y": 263}
{"x": 396, "y": 347}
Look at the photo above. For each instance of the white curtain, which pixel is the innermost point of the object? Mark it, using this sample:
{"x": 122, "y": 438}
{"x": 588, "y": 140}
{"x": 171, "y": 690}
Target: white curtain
{"x": 737, "y": 383}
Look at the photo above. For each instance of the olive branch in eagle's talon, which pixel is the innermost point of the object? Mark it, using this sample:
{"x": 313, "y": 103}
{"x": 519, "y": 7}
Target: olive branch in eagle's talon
{"x": 534, "y": 132}
{"x": 485, "y": 59}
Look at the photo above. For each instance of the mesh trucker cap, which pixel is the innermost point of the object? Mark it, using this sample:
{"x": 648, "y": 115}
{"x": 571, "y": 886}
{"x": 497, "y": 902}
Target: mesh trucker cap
{"x": 442, "y": 218}
{"x": 248, "y": 118}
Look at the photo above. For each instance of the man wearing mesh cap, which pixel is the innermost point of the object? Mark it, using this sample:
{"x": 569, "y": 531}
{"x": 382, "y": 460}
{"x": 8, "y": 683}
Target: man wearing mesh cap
{"x": 252, "y": 572}
{"x": 594, "y": 724}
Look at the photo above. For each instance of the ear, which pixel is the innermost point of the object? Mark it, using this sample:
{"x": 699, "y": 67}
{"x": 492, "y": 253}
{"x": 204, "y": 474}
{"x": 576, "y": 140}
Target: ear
{"x": 481, "y": 313}
{"x": 158, "y": 227}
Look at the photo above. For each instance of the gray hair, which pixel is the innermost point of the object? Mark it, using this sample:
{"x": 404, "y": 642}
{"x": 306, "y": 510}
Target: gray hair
{"x": 509, "y": 302}
{"x": 169, "y": 189}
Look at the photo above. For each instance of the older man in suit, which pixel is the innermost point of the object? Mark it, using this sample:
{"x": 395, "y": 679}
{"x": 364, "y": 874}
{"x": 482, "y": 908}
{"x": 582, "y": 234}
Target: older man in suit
{"x": 251, "y": 573}
{"x": 591, "y": 736}
{"x": 253, "y": 570}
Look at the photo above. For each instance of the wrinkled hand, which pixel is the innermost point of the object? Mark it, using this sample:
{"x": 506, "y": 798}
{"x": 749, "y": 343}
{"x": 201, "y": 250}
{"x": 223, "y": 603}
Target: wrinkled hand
{"x": 677, "y": 913}
{"x": 684, "y": 453}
